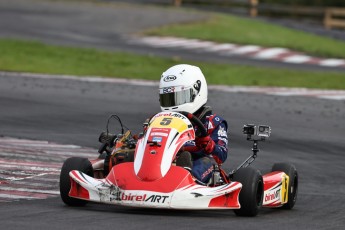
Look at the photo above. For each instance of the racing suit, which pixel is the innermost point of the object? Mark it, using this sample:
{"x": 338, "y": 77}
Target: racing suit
{"x": 203, "y": 161}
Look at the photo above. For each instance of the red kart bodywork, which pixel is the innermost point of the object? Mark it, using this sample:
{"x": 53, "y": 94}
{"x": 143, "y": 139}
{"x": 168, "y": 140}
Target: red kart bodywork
{"x": 176, "y": 190}
{"x": 153, "y": 181}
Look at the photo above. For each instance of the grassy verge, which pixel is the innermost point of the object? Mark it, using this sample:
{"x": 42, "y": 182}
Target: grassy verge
{"x": 226, "y": 28}
{"x": 36, "y": 57}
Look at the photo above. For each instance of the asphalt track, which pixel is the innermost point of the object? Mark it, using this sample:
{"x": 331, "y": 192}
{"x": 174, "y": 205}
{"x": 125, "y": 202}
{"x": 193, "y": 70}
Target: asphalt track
{"x": 307, "y": 132}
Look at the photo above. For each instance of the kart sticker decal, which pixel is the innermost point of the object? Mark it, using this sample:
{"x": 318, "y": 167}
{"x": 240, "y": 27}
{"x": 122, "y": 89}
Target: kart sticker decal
{"x": 284, "y": 191}
{"x": 222, "y": 132}
{"x": 172, "y": 122}
{"x": 153, "y": 198}
{"x": 159, "y": 134}
{"x": 169, "y": 78}
{"x": 157, "y": 139}
{"x": 276, "y": 189}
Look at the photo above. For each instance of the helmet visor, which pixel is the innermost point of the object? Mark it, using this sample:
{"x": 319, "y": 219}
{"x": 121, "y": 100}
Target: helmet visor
{"x": 173, "y": 98}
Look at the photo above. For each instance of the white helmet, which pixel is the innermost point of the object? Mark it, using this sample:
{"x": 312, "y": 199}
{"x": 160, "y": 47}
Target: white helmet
{"x": 182, "y": 88}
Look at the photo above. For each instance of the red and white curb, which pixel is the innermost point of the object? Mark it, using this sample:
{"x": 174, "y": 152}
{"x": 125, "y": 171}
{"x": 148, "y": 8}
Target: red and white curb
{"x": 229, "y": 49}
{"x": 314, "y": 93}
{"x": 30, "y": 169}
{"x": 278, "y": 91}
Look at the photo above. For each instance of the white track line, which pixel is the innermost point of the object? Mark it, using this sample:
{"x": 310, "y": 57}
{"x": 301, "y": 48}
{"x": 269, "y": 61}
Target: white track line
{"x": 29, "y": 168}
{"x": 52, "y": 192}
{"x": 12, "y": 197}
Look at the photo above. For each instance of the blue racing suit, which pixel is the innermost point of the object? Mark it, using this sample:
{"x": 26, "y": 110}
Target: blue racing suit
{"x": 203, "y": 163}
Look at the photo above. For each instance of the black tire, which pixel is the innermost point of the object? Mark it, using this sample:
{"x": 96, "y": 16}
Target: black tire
{"x": 73, "y": 163}
{"x": 291, "y": 171}
{"x": 252, "y": 191}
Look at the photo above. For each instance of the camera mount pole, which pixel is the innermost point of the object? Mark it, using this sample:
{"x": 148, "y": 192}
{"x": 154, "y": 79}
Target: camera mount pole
{"x": 249, "y": 160}
{"x": 255, "y": 149}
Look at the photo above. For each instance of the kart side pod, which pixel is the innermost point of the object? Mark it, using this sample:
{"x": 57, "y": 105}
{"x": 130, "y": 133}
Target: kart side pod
{"x": 177, "y": 190}
{"x": 275, "y": 189}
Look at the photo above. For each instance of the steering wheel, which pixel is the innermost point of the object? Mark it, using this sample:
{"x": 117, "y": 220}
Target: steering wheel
{"x": 201, "y": 131}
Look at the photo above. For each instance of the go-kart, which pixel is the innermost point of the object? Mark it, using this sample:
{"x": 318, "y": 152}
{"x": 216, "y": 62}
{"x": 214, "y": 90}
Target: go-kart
{"x": 141, "y": 172}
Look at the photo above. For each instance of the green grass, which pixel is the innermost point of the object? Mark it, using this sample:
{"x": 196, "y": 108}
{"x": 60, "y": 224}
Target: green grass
{"x": 27, "y": 56}
{"x": 226, "y": 28}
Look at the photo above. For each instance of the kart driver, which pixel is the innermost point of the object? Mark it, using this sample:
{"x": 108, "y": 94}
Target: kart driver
{"x": 183, "y": 88}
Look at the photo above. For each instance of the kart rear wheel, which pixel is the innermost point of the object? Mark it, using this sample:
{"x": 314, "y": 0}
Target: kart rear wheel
{"x": 291, "y": 171}
{"x": 73, "y": 163}
{"x": 252, "y": 191}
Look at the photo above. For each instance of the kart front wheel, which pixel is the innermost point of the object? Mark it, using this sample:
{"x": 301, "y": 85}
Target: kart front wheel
{"x": 291, "y": 171}
{"x": 74, "y": 163}
{"x": 252, "y": 191}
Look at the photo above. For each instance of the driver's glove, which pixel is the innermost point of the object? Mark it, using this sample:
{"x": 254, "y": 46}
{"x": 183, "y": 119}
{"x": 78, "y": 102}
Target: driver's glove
{"x": 205, "y": 143}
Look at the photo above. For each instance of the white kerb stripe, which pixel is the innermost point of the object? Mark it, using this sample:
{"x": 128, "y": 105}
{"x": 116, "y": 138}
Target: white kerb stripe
{"x": 220, "y": 47}
{"x": 154, "y": 40}
{"x": 332, "y": 62}
{"x": 297, "y": 58}
{"x": 149, "y": 39}
{"x": 245, "y": 49}
{"x": 170, "y": 44}
{"x": 198, "y": 44}
{"x": 270, "y": 53}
